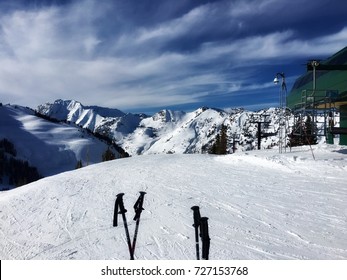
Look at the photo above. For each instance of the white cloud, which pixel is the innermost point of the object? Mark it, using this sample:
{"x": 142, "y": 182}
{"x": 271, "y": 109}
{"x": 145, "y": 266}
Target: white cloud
{"x": 29, "y": 34}
{"x": 51, "y": 32}
{"x": 189, "y": 22}
{"x": 90, "y": 44}
{"x": 274, "y": 46}
{"x": 251, "y": 8}
{"x": 59, "y": 53}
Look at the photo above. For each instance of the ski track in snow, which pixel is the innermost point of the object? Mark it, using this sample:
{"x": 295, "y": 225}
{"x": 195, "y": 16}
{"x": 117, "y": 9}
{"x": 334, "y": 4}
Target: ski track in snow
{"x": 260, "y": 205}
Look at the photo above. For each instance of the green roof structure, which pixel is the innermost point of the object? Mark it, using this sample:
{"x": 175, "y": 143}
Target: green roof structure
{"x": 323, "y": 87}
{"x": 326, "y": 80}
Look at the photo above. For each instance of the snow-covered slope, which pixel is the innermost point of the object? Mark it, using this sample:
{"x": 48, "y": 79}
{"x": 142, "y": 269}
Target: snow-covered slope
{"x": 170, "y": 131}
{"x": 260, "y": 205}
{"x": 51, "y": 147}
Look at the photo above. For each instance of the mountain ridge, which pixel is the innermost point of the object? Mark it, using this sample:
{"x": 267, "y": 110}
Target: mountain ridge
{"x": 169, "y": 131}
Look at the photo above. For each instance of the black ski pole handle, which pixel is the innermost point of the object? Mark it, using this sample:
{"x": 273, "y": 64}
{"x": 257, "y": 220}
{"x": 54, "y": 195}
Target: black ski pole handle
{"x": 138, "y": 206}
{"x": 196, "y": 216}
{"x": 118, "y": 208}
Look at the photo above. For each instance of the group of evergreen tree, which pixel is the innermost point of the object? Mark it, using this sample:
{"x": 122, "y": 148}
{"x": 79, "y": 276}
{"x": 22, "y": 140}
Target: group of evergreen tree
{"x": 220, "y": 145}
{"x": 7, "y": 147}
{"x": 17, "y": 172}
{"x": 79, "y": 164}
{"x": 106, "y": 156}
{"x": 303, "y": 133}
{"x": 122, "y": 153}
{"x": 103, "y": 137}
{"x": 47, "y": 118}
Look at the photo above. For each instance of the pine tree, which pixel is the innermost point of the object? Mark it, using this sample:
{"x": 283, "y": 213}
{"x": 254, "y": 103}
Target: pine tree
{"x": 17, "y": 171}
{"x": 216, "y": 145}
{"x": 303, "y": 133}
{"x": 310, "y": 136}
{"x": 221, "y": 142}
{"x": 294, "y": 140}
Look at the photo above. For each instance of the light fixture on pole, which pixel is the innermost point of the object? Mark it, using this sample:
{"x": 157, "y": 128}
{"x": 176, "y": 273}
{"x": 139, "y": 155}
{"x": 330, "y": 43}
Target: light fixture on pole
{"x": 282, "y": 131}
{"x": 283, "y": 84}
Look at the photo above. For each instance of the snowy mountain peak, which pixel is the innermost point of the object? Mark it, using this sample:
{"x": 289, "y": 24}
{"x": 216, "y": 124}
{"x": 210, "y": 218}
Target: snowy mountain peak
{"x": 166, "y": 116}
{"x": 71, "y": 110}
{"x": 112, "y": 123}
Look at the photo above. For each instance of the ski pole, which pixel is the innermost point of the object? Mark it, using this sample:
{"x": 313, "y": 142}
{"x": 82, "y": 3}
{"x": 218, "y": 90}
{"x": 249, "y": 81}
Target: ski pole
{"x": 138, "y": 209}
{"x": 196, "y": 216}
{"x": 120, "y": 205}
{"x": 205, "y": 238}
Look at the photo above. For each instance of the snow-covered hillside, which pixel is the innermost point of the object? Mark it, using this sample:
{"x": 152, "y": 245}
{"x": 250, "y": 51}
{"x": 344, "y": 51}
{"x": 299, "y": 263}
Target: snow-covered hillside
{"x": 170, "y": 131}
{"x": 110, "y": 122}
{"x": 51, "y": 147}
{"x": 260, "y": 205}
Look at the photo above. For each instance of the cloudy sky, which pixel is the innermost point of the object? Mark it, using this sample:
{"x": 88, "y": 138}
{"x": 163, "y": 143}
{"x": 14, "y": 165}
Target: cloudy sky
{"x": 146, "y": 55}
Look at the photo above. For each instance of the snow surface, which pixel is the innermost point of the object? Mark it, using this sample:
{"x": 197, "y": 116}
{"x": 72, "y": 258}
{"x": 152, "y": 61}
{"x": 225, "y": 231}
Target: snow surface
{"x": 51, "y": 147}
{"x": 260, "y": 205}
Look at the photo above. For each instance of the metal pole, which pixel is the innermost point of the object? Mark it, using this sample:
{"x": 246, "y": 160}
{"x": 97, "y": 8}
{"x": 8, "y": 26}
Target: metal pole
{"x": 120, "y": 205}
{"x": 284, "y": 106}
{"x": 205, "y": 238}
{"x": 196, "y": 216}
{"x": 259, "y": 134}
{"x": 280, "y": 123}
{"x": 138, "y": 209}
{"x": 282, "y": 131}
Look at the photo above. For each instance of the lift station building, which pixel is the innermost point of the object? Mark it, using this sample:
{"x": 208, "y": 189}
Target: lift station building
{"x": 321, "y": 93}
